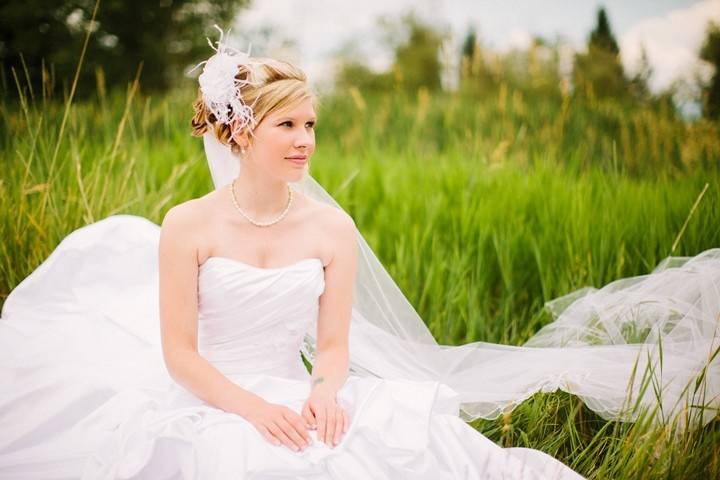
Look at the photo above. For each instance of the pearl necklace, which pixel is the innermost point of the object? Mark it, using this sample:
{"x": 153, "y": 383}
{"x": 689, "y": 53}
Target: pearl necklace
{"x": 258, "y": 224}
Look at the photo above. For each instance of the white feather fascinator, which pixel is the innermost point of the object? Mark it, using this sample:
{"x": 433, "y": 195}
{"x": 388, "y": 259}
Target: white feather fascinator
{"x": 220, "y": 87}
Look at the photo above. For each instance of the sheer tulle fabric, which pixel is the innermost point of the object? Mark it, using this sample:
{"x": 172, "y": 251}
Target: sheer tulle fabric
{"x": 648, "y": 342}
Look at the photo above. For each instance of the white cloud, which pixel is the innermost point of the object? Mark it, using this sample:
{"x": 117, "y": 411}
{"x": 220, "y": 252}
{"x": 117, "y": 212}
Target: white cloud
{"x": 672, "y": 42}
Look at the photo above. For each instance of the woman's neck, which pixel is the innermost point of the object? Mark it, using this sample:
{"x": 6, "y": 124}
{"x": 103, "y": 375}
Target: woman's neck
{"x": 259, "y": 195}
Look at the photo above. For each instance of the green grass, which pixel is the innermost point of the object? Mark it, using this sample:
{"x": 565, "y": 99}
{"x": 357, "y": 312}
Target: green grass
{"x": 482, "y": 209}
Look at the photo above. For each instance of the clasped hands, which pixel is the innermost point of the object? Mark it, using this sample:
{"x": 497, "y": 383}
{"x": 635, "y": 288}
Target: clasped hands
{"x": 282, "y": 425}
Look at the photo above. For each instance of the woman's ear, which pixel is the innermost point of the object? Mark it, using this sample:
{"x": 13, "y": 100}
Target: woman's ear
{"x": 241, "y": 136}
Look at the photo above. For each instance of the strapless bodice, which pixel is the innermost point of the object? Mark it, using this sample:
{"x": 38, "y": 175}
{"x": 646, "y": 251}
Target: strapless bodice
{"x": 252, "y": 319}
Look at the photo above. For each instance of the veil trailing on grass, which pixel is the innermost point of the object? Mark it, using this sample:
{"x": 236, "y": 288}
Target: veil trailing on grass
{"x": 641, "y": 345}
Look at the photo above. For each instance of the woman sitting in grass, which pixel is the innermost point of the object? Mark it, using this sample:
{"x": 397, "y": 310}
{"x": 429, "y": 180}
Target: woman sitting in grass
{"x": 174, "y": 351}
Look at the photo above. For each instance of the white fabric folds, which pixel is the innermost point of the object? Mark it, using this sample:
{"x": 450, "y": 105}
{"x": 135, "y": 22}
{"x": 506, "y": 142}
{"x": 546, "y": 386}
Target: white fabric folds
{"x": 84, "y": 391}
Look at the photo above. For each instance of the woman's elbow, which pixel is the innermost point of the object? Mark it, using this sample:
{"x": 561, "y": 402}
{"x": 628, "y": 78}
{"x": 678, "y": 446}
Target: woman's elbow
{"x": 177, "y": 358}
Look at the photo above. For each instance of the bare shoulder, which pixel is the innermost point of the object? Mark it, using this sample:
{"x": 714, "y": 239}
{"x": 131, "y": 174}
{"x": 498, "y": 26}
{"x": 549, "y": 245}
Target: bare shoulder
{"x": 339, "y": 234}
{"x": 331, "y": 218}
{"x": 182, "y": 227}
{"x": 185, "y": 216}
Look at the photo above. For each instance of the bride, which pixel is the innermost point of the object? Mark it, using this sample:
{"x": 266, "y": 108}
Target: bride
{"x": 178, "y": 352}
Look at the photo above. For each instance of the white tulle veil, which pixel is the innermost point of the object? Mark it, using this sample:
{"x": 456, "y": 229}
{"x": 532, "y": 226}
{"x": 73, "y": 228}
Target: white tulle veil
{"x": 646, "y": 343}
{"x": 640, "y": 344}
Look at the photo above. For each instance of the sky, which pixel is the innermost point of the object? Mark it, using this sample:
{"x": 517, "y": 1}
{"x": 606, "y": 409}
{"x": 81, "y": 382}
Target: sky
{"x": 311, "y": 33}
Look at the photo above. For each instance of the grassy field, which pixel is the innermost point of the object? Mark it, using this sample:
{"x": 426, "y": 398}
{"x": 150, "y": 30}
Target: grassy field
{"x": 481, "y": 208}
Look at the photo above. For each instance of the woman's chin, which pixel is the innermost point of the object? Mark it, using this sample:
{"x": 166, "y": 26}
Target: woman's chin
{"x": 297, "y": 174}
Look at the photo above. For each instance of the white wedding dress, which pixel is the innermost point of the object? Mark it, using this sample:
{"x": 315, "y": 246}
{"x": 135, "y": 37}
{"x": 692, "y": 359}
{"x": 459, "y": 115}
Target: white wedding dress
{"x": 85, "y": 394}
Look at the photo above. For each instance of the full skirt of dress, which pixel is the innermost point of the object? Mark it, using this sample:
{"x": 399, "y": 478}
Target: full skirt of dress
{"x": 84, "y": 392}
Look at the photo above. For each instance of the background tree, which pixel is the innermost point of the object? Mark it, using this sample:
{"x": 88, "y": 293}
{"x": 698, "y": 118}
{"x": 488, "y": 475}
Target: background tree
{"x": 165, "y": 36}
{"x": 602, "y": 37}
{"x": 710, "y": 52}
{"x": 469, "y": 53}
{"x": 598, "y": 71}
{"x": 639, "y": 83}
{"x": 351, "y": 70}
{"x": 476, "y": 76}
{"x": 416, "y": 51}
{"x": 417, "y": 59}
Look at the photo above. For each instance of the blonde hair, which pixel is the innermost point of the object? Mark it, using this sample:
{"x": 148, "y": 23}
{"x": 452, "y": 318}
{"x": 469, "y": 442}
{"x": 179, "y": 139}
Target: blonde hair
{"x": 278, "y": 85}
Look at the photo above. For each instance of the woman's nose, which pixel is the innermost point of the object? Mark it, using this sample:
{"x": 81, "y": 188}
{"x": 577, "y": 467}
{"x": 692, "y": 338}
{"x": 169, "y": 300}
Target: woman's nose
{"x": 305, "y": 139}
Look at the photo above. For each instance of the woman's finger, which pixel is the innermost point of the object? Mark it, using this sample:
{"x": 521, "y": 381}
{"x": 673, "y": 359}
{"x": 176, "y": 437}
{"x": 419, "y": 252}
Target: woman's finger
{"x": 339, "y": 420}
{"x": 301, "y": 427}
{"x": 268, "y": 435}
{"x": 321, "y": 418}
{"x": 346, "y": 422}
{"x": 278, "y": 432}
{"x": 289, "y": 429}
{"x": 308, "y": 416}
{"x": 299, "y": 424}
{"x": 331, "y": 424}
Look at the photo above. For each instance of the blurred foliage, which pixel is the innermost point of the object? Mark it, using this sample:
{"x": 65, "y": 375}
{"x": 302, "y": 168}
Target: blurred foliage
{"x": 41, "y": 41}
{"x": 416, "y": 46}
{"x": 598, "y": 71}
{"x": 710, "y": 52}
{"x": 534, "y": 71}
{"x": 357, "y": 74}
{"x": 417, "y": 61}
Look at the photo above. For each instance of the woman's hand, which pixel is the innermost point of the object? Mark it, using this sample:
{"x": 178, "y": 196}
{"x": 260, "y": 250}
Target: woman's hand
{"x": 279, "y": 424}
{"x": 321, "y": 411}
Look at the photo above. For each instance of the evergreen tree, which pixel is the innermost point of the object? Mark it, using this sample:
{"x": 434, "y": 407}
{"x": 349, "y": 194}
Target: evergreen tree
{"x": 599, "y": 72}
{"x": 475, "y": 75}
{"x": 710, "y": 52}
{"x": 468, "y": 48}
{"x": 602, "y": 37}
{"x": 639, "y": 82}
{"x": 467, "y": 55}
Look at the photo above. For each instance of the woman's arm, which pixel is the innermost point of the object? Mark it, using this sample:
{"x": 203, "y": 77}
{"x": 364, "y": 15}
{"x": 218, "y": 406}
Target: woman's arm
{"x": 178, "y": 267}
{"x": 331, "y": 364}
{"x": 178, "y": 258}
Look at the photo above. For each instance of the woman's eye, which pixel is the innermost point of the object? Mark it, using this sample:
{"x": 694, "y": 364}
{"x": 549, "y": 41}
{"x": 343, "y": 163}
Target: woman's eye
{"x": 289, "y": 123}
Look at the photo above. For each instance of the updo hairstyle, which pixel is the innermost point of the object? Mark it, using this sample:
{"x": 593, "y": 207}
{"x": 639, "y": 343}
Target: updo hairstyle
{"x": 279, "y": 85}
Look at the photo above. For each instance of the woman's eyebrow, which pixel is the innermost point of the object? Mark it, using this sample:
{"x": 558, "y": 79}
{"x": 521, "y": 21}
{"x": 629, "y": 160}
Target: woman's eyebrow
{"x": 312, "y": 119}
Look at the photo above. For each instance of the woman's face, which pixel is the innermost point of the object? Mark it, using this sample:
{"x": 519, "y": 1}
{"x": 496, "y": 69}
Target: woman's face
{"x": 283, "y": 142}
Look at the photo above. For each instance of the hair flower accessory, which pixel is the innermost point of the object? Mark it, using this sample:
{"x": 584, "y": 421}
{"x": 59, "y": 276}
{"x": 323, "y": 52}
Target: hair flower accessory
{"x": 221, "y": 90}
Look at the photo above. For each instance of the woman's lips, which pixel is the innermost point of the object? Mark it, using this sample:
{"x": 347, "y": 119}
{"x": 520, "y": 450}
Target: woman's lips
{"x": 297, "y": 160}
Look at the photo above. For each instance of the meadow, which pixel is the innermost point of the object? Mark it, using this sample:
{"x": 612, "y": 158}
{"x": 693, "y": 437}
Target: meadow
{"x": 482, "y": 208}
